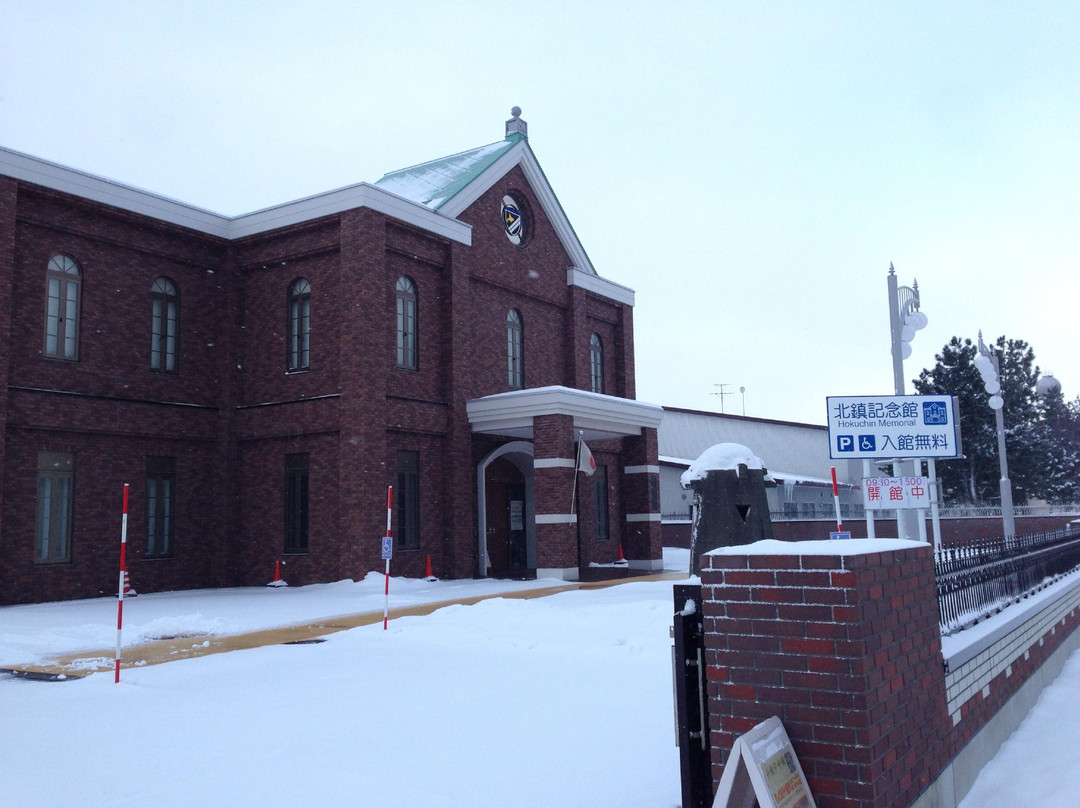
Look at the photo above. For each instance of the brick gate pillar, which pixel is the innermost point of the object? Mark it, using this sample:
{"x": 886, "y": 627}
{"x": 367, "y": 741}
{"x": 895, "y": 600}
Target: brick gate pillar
{"x": 845, "y": 649}
{"x": 554, "y": 469}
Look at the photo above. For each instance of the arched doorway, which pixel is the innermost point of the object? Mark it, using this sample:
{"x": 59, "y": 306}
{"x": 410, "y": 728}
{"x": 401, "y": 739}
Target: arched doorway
{"x": 505, "y": 512}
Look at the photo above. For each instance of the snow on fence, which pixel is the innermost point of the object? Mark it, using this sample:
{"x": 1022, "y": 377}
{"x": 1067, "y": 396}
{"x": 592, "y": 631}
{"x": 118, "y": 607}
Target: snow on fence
{"x": 977, "y": 579}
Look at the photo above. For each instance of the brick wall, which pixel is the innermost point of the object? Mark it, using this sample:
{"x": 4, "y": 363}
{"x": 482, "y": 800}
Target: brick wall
{"x": 232, "y": 412}
{"x": 846, "y": 651}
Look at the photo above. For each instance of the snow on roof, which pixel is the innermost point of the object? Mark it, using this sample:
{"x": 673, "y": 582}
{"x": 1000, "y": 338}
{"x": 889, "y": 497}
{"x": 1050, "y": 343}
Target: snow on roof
{"x": 434, "y": 183}
{"x": 720, "y": 457}
{"x": 780, "y": 477}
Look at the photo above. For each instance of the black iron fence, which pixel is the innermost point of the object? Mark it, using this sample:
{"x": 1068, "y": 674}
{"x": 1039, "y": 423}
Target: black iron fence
{"x": 976, "y": 579}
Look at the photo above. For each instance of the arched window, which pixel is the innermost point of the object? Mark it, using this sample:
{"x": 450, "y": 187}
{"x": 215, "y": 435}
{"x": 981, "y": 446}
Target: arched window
{"x": 164, "y": 322}
{"x": 406, "y": 324}
{"x": 62, "y": 293}
{"x": 515, "y": 343}
{"x": 299, "y": 325}
{"x": 596, "y": 363}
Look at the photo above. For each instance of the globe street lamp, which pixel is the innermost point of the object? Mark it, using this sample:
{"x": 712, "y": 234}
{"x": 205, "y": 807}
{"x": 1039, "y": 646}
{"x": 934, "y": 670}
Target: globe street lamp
{"x": 904, "y": 320}
{"x": 989, "y": 366}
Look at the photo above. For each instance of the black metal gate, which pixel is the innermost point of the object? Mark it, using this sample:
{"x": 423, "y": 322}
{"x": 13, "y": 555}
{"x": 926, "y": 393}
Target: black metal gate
{"x": 691, "y": 697}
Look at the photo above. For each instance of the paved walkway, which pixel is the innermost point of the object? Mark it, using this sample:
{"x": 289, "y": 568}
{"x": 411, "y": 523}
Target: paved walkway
{"x": 83, "y": 663}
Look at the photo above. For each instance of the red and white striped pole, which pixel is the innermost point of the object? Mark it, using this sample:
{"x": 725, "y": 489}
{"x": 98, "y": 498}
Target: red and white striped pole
{"x": 120, "y": 595}
{"x": 836, "y": 501}
{"x": 389, "y": 540}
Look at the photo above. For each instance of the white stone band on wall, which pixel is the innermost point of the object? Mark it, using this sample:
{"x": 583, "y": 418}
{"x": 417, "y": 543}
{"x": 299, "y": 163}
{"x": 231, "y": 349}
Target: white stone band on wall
{"x": 641, "y": 470}
{"x": 554, "y": 463}
{"x": 556, "y": 518}
{"x": 642, "y": 517}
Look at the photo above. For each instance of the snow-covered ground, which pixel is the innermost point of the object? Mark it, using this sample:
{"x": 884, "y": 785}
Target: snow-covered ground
{"x": 561, "y": 700}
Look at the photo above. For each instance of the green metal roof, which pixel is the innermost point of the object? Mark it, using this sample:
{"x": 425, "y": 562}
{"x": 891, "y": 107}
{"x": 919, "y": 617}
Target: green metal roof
{"x": 435, "y": 183}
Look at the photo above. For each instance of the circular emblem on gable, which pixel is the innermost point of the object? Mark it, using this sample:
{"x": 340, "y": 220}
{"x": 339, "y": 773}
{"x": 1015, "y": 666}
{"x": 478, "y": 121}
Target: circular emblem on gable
{"x": 513, "y": 220}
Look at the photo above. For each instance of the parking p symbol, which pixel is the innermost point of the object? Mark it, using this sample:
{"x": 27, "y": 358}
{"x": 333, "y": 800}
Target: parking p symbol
{"x": 845, "y": 443}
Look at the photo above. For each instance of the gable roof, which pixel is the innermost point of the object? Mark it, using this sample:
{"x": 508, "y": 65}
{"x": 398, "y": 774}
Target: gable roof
{"x": 449, "y": 185}
{"x": 436, "y": 182}
{"x": 430, "y": 195}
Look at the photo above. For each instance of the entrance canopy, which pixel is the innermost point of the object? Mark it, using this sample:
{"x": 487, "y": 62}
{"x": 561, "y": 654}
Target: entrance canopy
{"x": 598, "y": 416}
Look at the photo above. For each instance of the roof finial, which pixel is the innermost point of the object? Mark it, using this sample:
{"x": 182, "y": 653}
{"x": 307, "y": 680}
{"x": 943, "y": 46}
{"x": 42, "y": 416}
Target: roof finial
{"x": 516, "y": 126}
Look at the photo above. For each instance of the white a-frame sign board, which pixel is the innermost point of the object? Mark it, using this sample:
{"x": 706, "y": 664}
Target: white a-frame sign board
{"x": 763, "y": 766}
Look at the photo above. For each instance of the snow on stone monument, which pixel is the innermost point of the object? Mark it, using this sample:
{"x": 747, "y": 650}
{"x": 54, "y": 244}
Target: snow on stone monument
{"x": 730, "y": 507}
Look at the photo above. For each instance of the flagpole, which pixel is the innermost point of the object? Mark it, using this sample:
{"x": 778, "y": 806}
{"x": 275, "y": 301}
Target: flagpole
{"x": 577, "y": 464}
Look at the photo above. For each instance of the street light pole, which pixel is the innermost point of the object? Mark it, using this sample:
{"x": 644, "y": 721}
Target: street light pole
{"x": 904, "y": 320}
{"x": 990, "y": 360}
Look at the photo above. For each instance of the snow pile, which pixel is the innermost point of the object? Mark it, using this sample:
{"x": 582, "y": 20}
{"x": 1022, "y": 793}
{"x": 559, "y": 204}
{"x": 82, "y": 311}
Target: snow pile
{"x": 818, "y": 547}
{"x": 722, "y": 456}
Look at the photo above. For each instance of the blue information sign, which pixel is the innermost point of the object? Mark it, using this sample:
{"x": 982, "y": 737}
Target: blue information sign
{"x": 884, "y": 427}
{"x": 387, "y": 548}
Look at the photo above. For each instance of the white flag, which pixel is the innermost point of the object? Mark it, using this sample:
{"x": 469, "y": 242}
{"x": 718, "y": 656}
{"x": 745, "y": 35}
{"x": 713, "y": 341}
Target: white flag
{"x": 586, "y": 462}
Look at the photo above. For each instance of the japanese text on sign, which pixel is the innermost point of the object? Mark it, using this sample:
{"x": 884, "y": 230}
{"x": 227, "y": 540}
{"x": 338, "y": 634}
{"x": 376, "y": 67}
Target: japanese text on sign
{"x": 881, "y": 427}
{"x": 888, "y": 493}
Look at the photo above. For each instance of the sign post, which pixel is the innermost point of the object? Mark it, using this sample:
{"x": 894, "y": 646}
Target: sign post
{"x": 120, "y": 593}
{"x": 836, "y": 501}
{"x": 387, "y": 554}
{"x": 895, "y": 428}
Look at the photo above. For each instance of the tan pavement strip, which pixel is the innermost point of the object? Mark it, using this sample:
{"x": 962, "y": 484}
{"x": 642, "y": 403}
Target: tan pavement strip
{"x": 83, "y": 663}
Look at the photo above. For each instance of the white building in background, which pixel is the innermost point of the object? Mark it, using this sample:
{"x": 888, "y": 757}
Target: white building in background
{"x": 796, "y": 455}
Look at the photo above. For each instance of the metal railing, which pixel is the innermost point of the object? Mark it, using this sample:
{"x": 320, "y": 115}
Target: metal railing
{"x": 824, "y": 510}
{"x": 977, "y": 579}
{"x": 820, "y": 510}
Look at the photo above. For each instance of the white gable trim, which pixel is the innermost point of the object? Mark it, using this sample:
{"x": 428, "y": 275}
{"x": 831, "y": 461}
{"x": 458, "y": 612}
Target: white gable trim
{"x": 599, "y": 416}
{"x": 98, "y": 189}
{"x": 521, "y": 155}
{"x": 600, "y": 286}
{"x": 59, "y": 178}
{"x": 362, "y": 195}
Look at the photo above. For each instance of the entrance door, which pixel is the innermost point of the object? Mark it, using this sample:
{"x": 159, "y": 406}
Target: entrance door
{"x": 506, "y": 515}
{"x": 516, "y": 495}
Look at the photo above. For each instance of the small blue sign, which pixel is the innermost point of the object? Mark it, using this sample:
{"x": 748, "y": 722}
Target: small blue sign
{"x": 840, "y": 534}
{"x": 387, "y": 548}
{"x": 845, "y": 443}
{"x": 935, "y": 413}
{"x": 867, "y": 443}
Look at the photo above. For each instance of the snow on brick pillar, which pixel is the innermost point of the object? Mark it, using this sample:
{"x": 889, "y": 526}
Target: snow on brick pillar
{"x": 554, "y": 468}
{"x": 844, "y": 649}
{"x": 643, "y": 544}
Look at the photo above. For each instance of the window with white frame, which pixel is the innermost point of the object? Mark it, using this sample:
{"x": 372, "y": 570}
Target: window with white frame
{"x": 164, "y": 324}
{"x": 63, "y": 280}
{"x": 515, "y": 343}
{"x": 299, "y": 327}
{"x": 406, "y": 324}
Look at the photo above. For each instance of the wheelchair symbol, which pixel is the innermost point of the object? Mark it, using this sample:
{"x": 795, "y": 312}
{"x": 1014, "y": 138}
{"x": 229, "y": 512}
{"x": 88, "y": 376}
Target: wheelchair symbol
{"x": 867, "y": 443}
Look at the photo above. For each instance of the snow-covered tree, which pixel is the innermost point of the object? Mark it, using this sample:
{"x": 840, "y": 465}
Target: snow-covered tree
{"x": 1063, "y": 436}
{"x": 1039, "y": 459}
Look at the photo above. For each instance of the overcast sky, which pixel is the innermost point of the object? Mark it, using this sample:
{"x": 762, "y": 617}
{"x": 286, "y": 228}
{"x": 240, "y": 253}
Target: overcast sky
{"x": 749, "y": 168}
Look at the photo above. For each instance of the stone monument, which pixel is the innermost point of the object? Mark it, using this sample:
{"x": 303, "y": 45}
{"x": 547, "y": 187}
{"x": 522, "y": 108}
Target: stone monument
{"x": 730, "y": 507}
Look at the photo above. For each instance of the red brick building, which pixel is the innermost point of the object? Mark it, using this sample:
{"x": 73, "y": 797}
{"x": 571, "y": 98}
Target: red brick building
{"x": 260, "y": 381}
